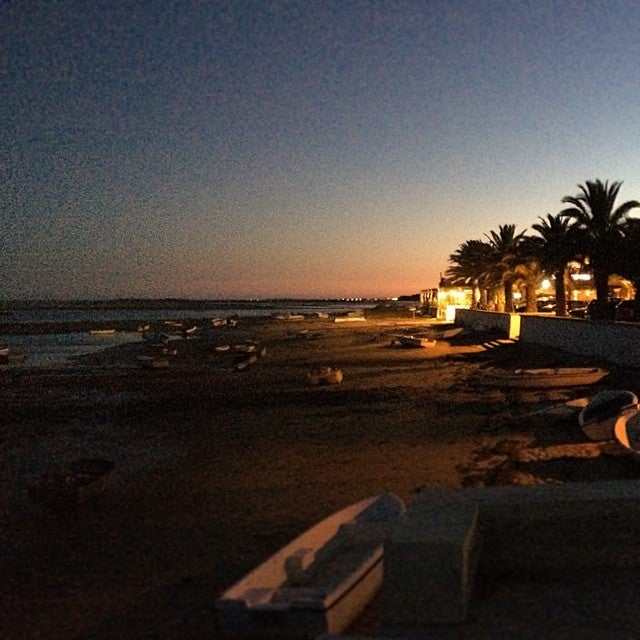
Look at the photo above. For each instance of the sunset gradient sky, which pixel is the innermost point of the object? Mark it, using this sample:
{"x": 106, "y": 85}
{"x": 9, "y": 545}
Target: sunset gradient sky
{"x": 297, "y": 149}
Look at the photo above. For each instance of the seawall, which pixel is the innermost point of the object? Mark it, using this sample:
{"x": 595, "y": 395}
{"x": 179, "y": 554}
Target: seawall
{"x": 614, "y": 342}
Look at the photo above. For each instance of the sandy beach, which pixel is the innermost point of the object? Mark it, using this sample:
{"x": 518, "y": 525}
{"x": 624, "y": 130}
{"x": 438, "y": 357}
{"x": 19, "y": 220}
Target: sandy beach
{"x": 216, "y": 468}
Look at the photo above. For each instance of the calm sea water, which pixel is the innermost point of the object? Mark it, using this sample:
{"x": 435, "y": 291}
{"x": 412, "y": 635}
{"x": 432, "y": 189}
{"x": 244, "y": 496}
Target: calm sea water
{"x": 58, "y": 350}
{"x": 257, "y": 309}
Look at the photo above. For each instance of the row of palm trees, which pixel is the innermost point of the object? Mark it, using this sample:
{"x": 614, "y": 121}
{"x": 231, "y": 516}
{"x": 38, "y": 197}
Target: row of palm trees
{"x": 590, "y": 230}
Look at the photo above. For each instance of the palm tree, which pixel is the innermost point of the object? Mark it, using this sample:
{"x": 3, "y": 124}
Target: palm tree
{"x": 599, "y": 223}
{"x": 529, "y": 270}
{"x": 505, "y": 258}
{"x": 629, "y": 254}
{"x": 470, "y": 264}
{"x": 556, "y": 247}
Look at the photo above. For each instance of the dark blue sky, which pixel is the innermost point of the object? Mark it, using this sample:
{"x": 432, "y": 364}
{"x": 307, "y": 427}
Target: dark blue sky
{"x": 253, "y": 149}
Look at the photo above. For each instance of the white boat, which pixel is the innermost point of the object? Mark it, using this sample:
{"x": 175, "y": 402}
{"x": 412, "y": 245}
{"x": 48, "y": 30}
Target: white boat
{"x": 627, "y": 432}
{"x": 289, "y": 316}
{"x": 317, "y": 584}
{"x": 542, "y": 378}
{"x": 4, "y": 350}
{"x": 599, "y": 417}
{"x": 443, "y": 334}
{"x": 415, "y": 341}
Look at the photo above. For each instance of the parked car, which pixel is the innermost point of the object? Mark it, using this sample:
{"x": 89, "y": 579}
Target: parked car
{"x": 610, "y": 312}
{"x": 577, "y": 308}
{"x": 543, "y": 305}
{"x": 628, "y": 311}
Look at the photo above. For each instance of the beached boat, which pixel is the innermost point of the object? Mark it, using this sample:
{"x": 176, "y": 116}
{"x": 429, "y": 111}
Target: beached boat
{"x": 599, "y": 417}
{"x": 317, "y": 584}
{"x": 415, "y": 341}
{"x": 439, "y": 333}
{"x": 626, "y": 431}
{"x": 244, "y": 362}
{"x": 289, "y": 316}
{"x": 153, "y": 362}
{"x": 542, "y": 378}
{"x": 324, "y": 375}
{"x": 155, "y": 337}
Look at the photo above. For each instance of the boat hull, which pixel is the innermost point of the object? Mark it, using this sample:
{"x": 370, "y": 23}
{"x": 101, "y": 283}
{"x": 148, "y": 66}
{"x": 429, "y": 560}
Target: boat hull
{"x": 626, "y": 432}
{"x": 267, "y": 604}
{"x": 413, "y": 342}
{"x": 599, "y": 417}
{"x": 543, "y": 378}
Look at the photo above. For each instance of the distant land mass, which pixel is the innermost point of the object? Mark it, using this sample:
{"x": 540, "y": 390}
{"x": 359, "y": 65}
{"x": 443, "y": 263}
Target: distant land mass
{"x": 184, "y": 303}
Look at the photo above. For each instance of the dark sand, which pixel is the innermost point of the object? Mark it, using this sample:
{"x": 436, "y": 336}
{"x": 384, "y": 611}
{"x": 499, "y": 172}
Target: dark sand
{"x": 215, "y": 469}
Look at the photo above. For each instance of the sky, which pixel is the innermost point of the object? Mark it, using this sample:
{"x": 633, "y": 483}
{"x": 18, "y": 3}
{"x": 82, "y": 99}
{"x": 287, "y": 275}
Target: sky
{"x": 309, "y": 149}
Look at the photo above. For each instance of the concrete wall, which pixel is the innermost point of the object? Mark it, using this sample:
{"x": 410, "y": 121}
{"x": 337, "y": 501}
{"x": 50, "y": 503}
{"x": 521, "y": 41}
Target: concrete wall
{"x": 614, "y": 342}
{"x": 508, "y": 323}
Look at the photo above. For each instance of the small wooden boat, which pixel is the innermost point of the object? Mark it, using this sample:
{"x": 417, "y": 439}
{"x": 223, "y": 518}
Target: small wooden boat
{"x": 542, "y": 378}
{"x": 437, "y": 333}
{"x": 414, "y": 341}
{"x": 317, "y": 584}
{"x": 324, "y": 375}
{"x": 245, "y": 348}
{"x": 153, "y": 362}
{"x": 626, "y": 431}
{"x": 296, "y": 317}
{"x": 155, "y": 337}
{"x": 599, "y": 417}
{"x": 245, "y": 362}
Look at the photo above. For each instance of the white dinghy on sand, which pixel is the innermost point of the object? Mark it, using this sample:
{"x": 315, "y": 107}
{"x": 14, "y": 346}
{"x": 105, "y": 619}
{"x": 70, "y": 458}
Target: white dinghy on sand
{"x": 319, "y": 583}
{"x": 599, "y": 417}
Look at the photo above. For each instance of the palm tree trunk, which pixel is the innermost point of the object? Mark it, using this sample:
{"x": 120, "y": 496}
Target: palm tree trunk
{"x": 601, "y": 278}
{"x": 532, "y": 299}
{"x": 508, "y": 296}
{"x": 561, "y": 294}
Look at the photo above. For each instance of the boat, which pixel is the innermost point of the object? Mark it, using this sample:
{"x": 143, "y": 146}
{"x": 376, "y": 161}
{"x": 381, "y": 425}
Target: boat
{"x": 317, "y": 584}
{"x": 244, "y": 362}
{"x": 542, "y": 378}
{"x": 289, "y": 316}
{"x": 153, "y": 362}
{"x": 324, "y": 375}
{"x": 599, "y": 417}
{"x": 102, "y": 332}
{"x": 626, "y": 432}
{"x": 74, "y": 483}
{"x": 443, "y": 334}
{"x": 415, "y": 341}
{"x": 156, "y": 338}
